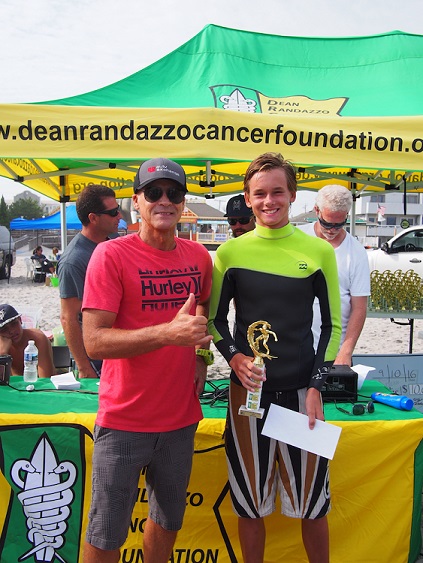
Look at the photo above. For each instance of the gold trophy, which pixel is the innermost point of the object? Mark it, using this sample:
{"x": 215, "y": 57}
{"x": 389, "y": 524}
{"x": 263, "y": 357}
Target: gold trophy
{"x": 252, "y": 408}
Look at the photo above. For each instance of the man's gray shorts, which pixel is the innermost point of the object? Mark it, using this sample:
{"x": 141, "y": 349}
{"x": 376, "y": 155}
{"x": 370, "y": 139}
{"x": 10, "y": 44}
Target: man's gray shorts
{"x": 118, "y": 460}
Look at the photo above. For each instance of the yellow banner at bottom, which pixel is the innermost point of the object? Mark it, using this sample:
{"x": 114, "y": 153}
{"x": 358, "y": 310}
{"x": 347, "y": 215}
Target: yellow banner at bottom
{"x": 372, "y": 486}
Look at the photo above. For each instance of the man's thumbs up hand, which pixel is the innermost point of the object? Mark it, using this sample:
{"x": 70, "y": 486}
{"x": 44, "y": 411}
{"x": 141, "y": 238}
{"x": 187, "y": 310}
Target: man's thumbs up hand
{"x": 187, "y": 329}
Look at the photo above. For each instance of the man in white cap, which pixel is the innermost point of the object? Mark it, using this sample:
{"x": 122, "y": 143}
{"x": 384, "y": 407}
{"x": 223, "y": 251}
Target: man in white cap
{"x": 14, "y": 339}
{"x": 145, "y": 310}
{"x": 240, "y": 217}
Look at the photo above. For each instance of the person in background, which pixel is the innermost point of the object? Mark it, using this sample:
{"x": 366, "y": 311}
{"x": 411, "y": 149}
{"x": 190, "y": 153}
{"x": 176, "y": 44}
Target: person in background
{"x": 333, "y": 203}
{"x": 99, "y": 214}
{"x": 145, "y": 312}
{"x": 273, "y": 274}
{"x": 14, "y": 339}
{"x": 56, "y": 253}
{"x": 240, "y": 217}
{"x": 39, "y": 258}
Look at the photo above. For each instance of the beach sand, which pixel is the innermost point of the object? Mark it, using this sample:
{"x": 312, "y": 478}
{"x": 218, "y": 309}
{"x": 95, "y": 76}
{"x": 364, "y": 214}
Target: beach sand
{"x": 379, "y": 336}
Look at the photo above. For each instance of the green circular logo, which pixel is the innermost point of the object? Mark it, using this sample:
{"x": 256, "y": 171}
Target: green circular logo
{"x": 405, "y": 223}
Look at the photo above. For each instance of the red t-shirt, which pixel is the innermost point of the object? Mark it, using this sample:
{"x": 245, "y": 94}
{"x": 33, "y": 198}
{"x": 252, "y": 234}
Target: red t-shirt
{"x": 152, "y": 392}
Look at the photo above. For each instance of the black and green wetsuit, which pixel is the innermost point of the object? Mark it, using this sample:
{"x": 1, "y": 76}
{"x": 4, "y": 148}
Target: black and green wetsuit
{"x": 274, "y": 275}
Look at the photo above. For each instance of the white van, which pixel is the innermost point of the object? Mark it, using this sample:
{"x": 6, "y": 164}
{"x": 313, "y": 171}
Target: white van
{"x": 7, "y": 252}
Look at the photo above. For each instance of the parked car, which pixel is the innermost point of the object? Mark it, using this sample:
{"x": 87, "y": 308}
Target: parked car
{"x": 403, "y": 252}
{"x": 7, "y": 252}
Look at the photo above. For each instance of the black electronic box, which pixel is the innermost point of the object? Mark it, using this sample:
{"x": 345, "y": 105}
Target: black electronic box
{"x": 340, "y": 384}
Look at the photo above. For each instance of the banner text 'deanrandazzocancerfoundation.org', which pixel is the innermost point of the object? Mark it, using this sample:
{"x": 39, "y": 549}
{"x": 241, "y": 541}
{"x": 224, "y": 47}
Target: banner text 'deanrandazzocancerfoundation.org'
{"x": 74, "y": 132}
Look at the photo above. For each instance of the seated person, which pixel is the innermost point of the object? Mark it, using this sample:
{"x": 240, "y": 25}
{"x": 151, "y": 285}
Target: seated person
{"x": 41, "y": 261}
{"x": 14, "y": 339}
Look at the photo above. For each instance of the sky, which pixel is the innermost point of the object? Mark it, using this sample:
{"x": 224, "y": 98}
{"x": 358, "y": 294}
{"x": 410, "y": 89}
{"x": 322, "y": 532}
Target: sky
{"x": 59, "y": 48}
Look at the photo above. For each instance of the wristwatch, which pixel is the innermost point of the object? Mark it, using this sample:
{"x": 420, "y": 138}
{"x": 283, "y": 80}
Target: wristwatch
{"x": 207, "y": 356}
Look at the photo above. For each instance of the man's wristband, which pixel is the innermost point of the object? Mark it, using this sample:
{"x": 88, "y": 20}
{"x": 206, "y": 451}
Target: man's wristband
{"x": 207, "y": 356}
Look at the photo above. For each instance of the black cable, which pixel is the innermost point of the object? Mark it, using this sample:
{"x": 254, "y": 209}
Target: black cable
{"x": 81, "y": 391}
{"x": 352, "y": 398}
{"x": 219, "y": 393}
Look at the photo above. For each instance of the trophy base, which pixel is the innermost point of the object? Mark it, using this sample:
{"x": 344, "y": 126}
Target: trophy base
{"x": 244, "y": 411}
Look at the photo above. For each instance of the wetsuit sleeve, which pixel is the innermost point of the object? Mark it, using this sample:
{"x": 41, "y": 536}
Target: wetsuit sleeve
{"x": 327, "y": 291}
{"x": 221, "y": 296}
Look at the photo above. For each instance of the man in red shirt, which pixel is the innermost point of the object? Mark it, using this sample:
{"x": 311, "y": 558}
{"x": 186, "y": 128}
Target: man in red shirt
{"x": 145, "y": 310}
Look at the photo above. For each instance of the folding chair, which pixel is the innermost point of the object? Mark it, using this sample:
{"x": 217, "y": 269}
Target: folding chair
{"x": 38, "y": 275}
{"x": 29, "y": 268}
{"x": 34, "y": 270}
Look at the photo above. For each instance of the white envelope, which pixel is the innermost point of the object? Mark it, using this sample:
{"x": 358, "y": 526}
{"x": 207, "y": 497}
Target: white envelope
{"x": 292, "y": 428}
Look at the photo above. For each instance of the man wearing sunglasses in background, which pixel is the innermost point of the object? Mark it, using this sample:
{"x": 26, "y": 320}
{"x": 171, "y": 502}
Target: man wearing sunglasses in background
{"x": 145, "y": 312}
{"x": 240, "y": 217}
{"x": 99, "y": 214}
{"x": 333, "y": 203}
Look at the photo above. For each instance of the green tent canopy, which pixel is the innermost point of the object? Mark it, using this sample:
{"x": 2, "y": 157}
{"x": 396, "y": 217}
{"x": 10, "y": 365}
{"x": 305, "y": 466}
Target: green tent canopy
{"x": 345, "y": 110}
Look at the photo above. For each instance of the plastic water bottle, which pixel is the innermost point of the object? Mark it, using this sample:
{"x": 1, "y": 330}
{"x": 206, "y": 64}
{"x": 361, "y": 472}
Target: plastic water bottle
{"x": 397, "y": 401}
{"x": 30, "y": 374}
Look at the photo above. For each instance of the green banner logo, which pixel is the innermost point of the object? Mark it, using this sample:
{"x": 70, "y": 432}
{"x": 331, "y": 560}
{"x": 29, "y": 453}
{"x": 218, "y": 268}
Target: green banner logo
{"x": 44, "y": 466}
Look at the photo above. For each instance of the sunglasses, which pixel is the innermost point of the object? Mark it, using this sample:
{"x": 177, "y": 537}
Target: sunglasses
{"x": 329, "y": 226}
{"x": 241, "y": 220}
{"x": 358, "y": 409}
{"x": 154, "y": 193}
{"x": 111, "y": 212}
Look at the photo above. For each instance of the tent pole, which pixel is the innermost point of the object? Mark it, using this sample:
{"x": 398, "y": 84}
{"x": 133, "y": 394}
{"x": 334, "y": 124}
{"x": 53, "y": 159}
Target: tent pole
{"x": 63, "y": 228}
{"x": 63, "y": 200}
{"x": 208, "y": 183}
{"x": 353, "y": 187}
{"x": 352, "y": 222}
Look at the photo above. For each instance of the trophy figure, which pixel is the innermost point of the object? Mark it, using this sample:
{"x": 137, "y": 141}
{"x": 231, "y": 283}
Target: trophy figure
{"x": 252, "y": 407}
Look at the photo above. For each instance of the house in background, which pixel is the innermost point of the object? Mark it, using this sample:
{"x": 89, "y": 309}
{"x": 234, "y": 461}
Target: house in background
{"x": 48, "y": 207}
{"x": 202, "y": 223}
{"x": 209, "y": 226}
{"x": 384, "y": 214}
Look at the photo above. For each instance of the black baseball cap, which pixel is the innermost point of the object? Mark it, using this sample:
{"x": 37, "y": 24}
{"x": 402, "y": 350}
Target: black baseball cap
{"x": 158, "y": 169}
{"x": 7, "y": 314}
{"x": 236, "y": 207}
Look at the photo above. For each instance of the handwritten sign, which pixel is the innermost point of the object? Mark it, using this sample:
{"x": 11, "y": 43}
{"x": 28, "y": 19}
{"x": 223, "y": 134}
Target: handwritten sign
{"x": 402, "y": 373}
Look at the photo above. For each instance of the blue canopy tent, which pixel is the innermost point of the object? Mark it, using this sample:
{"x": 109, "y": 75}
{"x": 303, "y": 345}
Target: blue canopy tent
{"x": 53, "y": 222}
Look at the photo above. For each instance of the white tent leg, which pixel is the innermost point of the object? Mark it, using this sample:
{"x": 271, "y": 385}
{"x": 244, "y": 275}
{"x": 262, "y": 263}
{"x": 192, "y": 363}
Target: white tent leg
{"x": 63, "y": 228}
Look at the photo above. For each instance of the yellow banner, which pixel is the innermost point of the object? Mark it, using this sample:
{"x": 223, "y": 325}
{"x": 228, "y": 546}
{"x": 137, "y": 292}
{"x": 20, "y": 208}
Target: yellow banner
{"x": 372, "y": 498}
{"x": 372, "y": 485}
{"x": 36, "y": 131}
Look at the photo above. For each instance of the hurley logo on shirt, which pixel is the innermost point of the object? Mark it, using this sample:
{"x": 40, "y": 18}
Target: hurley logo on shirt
{"x": 168, "y": 289}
